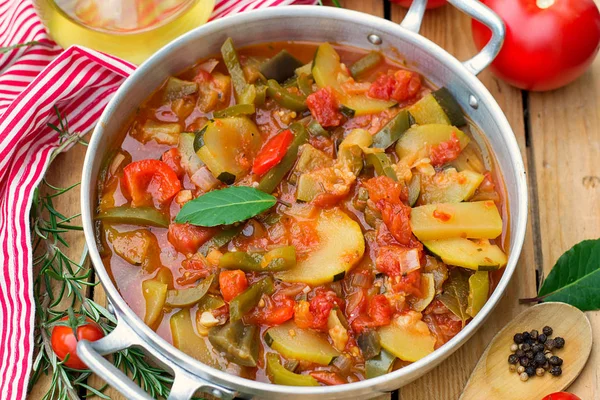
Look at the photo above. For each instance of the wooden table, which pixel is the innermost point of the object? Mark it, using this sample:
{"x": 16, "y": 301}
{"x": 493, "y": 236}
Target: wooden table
{"x": 559, "y": 136}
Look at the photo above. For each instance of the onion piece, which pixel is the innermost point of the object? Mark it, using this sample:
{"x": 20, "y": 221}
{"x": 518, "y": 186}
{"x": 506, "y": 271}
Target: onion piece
{"x": 204, "y": 179}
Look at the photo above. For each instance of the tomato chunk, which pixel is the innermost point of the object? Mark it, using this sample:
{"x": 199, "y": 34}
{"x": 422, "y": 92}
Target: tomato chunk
{"x": 401, "y": 85}
{"x": 328, "y": 378}
{"x": 314, "y": 314}
{"x": 324, "y": 106}
{"x": 232, "y": 283}
{"x": 272, "y": 152}
{"x": 188, "y": 238}
{"x": 276, "y": 311}
{"x": 379, "y": 313}
{"x": 148, "y": 180}
{"x": 172, "y": 158}
{"x": 445, "y": 151}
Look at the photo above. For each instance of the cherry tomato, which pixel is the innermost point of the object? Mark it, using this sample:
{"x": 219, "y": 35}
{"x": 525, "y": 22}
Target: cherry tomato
{"x": 430, "y": 4}
{"x": 549, "y": 43}
{"x": 64, "y": 342}
{"x": 272, "y": 152}
{"x": 561, "y": 396}
{"x": 145, "y": 180}
{"x": 232, "y": 283}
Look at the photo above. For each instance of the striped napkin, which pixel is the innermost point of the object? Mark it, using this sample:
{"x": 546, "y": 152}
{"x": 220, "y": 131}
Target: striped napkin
{"x": 32, "y": 81}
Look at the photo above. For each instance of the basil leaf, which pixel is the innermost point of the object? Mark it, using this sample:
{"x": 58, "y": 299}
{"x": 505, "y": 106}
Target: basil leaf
{"x": 226, "y": 206}
{"x": 575, "y": 278}
{"x": 456, "y": 293}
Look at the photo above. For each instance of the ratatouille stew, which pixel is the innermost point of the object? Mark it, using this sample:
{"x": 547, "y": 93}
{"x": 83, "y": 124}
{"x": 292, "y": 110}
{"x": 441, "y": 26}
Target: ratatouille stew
{"x": 302, "y": 214}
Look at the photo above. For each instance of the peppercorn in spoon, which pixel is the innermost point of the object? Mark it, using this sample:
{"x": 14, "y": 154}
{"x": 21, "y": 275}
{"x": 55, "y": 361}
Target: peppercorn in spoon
{"x": 494, "y": 376}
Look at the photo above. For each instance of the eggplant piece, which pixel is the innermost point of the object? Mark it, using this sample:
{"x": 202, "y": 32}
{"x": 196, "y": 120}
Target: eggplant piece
{"x": 379, "y": 365}
{"x": 392, "y": 131}
{"x": 368, "y": 342}
{"x": 280, "y": 67}
{"x": 239, "y": 342}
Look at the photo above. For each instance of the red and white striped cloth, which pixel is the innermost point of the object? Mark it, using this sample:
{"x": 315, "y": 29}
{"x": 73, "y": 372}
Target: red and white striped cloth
{"x": 32, "y": 81}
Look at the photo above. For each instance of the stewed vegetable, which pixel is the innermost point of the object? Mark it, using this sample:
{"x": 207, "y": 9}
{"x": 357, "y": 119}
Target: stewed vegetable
{"x": 365, "y": 224}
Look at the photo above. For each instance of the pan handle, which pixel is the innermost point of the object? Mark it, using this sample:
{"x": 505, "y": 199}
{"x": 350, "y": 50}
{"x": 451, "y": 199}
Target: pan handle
{"x": 123, "y": 337}
{"x": 476, "y": 10}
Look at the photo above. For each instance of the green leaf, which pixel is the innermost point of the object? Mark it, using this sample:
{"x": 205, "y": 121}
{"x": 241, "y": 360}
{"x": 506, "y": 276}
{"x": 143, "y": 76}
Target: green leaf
{"x": 456, "y": 293}
{"x": 226, "y": 206}
{"x": 575, "y": 278}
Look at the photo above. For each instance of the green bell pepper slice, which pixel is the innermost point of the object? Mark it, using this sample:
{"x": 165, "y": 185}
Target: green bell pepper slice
{"x": 232, "y": 62}
{"x": 284, "y": 98}
{"x": 281, "y": 376}
{"x": 249, "y": 298}
{"x": 279, "y": 259}
{"x": 135, "y": 216}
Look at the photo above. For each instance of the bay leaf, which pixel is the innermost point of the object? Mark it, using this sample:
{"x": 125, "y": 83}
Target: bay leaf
{"x": 455, "y": 294}
{"x": 575, "y": 278}
{"x": 225, "y": 207}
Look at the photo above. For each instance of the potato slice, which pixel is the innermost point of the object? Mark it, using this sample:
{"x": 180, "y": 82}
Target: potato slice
{"x": 475, "y": 220}
{"x": 421, "y": 136}
{"x": 407, "y": 337}
{"x": 300, "y": 344}
{"x": 475, "y": 255}
{"x": 341, "y": 246}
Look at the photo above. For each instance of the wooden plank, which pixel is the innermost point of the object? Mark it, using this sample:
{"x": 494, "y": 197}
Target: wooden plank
{"x": 565, "y": 135}
{"x": 451, "y": 30}
{"x": 62, "y": 174}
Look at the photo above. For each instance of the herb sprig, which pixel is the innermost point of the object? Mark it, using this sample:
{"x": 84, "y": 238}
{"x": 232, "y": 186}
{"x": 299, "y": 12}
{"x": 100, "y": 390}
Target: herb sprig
{"x": 62, "y": 288}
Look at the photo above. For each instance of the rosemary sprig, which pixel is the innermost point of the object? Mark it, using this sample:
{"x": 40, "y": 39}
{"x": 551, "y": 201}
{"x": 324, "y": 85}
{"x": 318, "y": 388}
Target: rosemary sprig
{"x": 335, "y": 3}
{"x": 61, "y": 290}
{"x": 18, "y": 45}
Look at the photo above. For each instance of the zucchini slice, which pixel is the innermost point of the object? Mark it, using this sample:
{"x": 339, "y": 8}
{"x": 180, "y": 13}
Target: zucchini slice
{"x": 155, "y": 294}
{"x": 327, "y": 71}
{"x": 422, "y": 136}
{"x": 341, "y": 246}
{"x": 450, "y": 106}
{"x": 475, "y": 220}
{"x": 391, "y": 132}
{"x": 225, "y": 141}
{"x": 187, "y": 340}
{"x": 300, "y": 344}
{"x": 190, "y": 161}
{"x": 281, "y": 66}
{"x": 414, "y": 189}
{"x": 281, "y": 376}
{"x": 407, "y": 338}
{"x": 469, "y": 254}
{"x": 479, "y": 288}
{"x": 449, "y": 186}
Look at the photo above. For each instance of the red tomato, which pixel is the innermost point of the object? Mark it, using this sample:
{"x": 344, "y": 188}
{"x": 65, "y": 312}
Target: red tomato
{"x": 188, "y": 238}
{"x": 232, "y": 283}
{"x": 272, "y": 152}
{"x": 401, "y": 85}
{"x": 561, "y": 396}
{"x": 276, "y": 311}
{"x": 64, "y": 342}
{"x": 314, "y": 314}
{"x": 150, "y": 178}
{"x": 328, "y": 378}
{"x": 445, "y": 152}
{"x": 324, "y": 106}
{"x": 172, "y": 158}
{"x": 549, "y": 43}
{"x": 430, "y": 4}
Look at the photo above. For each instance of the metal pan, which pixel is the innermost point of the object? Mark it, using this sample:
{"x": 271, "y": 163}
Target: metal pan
{"x": 316, "y": 24}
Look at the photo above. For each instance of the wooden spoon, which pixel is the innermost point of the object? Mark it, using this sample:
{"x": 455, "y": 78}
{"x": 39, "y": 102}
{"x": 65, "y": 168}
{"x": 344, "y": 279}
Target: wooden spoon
{"x": 492, "y": 380}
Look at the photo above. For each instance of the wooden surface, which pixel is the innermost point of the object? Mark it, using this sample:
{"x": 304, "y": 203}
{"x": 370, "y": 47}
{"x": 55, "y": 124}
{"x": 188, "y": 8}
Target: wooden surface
{"x": 492, "y": 380}
{"x": 559, "y": 136}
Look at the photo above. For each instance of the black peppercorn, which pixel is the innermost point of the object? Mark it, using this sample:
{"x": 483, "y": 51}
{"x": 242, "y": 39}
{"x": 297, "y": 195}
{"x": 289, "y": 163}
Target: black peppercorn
{"x": 542, "y": 338}
{"x": 537, "y": 348}
{"x": 534, "y": 334}
{"x": 526, "y": 336}
{"x": 539, "y": 359}
{"x": 550, "y": 344}
{"x": 530, "y": 370}
{"x": 513, "y": 359}
{"x": 556, "y": 370}
{"x": 554, "y": 360}
{"x": 559, "y": 342}
{"x": 524, "y": 361}
{"x": 520, "y": 353}
{"x": 518, "y": 338}
{"x": 547, "y": 331}
{"x": 529, "y": 354}
{"x": 525, "y": 347}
